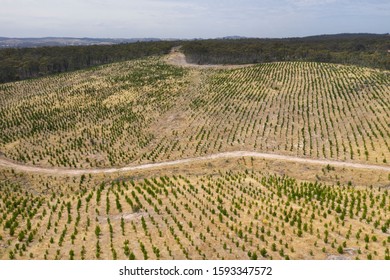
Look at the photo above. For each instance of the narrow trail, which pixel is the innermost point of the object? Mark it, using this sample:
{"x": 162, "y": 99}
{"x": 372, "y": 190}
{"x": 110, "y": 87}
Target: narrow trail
{"x": 177, "y": 58}
{"x": 62, "y": 171}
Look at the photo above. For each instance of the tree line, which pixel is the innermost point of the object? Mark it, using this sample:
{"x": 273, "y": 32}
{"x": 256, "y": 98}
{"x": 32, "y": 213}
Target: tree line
{"x": 24, "y": 63}
{"x": 369, "y": 50}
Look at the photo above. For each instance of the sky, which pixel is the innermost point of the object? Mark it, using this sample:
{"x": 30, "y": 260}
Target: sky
{"x": 191, "y": 18}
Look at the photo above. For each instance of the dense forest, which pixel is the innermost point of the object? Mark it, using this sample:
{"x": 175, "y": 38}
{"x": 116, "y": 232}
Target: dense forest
{"x": 24, "y": 63}
{"x": 369, "y": 50}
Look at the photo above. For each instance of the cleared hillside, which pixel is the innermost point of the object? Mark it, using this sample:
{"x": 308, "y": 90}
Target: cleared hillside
{"x": 283, "y": 160}
{"x": 148, "y": 111}
{"x": 226, "y": 215}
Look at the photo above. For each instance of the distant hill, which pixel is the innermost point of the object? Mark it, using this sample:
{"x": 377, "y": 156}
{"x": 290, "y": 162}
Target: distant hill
{"x": 370, "y": 50}
{"x": 234, "y": 37}
{"x": 66, "y": 41}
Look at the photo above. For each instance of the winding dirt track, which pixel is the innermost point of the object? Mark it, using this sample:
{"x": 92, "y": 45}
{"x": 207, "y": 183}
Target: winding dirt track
{"x": 62, "y": 171}
{"x": 178, "y": 59}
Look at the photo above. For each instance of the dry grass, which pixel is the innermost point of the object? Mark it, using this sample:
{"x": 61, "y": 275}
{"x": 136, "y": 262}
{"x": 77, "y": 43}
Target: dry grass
{"x": 184, "y": 212}
{"x": 148, "y": 111}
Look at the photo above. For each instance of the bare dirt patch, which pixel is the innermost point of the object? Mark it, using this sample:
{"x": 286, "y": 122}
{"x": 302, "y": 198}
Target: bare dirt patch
{"x": 177, "y": 58}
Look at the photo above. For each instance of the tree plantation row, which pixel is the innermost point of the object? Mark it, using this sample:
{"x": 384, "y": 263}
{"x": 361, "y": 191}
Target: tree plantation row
{"x": 91, "y": 118}
{"x": 227, "y": 215}
{"x": 306, "y": 109}
{"x": 148, "y": 111}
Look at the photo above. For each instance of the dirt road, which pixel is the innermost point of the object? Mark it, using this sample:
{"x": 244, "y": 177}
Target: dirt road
{"x": 177, "y": 58}
{"x": 62, "y": 171}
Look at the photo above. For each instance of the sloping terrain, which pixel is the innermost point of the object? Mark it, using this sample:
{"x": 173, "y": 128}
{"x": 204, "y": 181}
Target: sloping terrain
{"x": 151, "y": 160}
{"x": 148, "y": 111}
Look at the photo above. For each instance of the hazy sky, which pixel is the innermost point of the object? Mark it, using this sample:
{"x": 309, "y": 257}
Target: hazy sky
{"x": 191, "y": 18}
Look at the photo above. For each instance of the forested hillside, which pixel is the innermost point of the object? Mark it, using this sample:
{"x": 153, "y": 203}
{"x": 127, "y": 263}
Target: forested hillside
{"x": 25, "y": 63}
{"x": 359, "y": 49}
{"x": 368, "y": 50}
